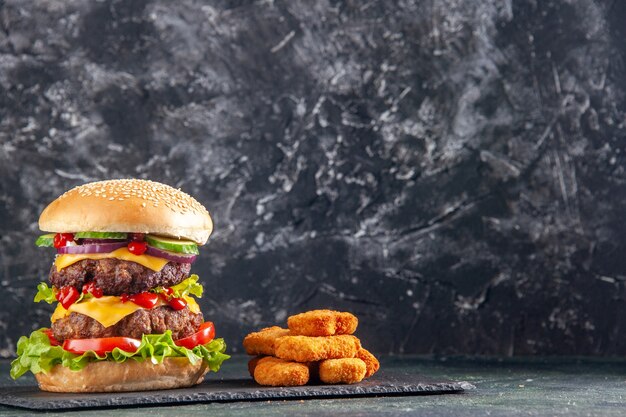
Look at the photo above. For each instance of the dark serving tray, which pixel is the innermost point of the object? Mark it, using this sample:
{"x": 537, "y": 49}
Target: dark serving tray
{"x": 229, "y": 390}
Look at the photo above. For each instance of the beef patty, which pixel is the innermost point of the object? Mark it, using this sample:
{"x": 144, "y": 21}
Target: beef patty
{"x": 182, "y": 323}
{"x": 115, "y": 276}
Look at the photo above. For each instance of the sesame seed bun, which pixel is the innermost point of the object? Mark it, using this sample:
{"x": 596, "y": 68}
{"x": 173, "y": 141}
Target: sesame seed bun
{"x": 127, "y": 376}
{"x": 137, "y": 206}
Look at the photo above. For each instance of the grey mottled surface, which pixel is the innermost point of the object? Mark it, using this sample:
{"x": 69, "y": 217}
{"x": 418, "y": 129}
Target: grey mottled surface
{"x": 450, "y": 171}
{"x": 511, "y": 387}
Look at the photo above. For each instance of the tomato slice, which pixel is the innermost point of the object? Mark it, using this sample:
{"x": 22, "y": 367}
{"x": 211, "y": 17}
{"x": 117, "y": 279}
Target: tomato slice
{"x": 101, "y": 345}
{"x": 61, "y": 239}
{"x": 144, "y": 299}
{"x": 67, "y": 296}
{"x": 137, "y": 248}
{"x": 51, "y": 338}
{"x": 90, "y": 288}
{"x": 204, "y": 335}
{"x": 177, "y": 303}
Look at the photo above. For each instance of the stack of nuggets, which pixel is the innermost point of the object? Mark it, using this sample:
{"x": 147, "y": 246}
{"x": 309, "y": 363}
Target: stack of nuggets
{"x": 318, "y": 345}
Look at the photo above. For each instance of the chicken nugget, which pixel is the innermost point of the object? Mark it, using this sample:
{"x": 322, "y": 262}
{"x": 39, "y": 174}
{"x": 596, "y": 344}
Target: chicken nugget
{"x": 342, "y": 371}
{"x": 277, "y": 372}
{"x": 309, "y": 349}
{"x": 262, "y": 342}
{"x": 322, "y": 323}
{"x": 371, "y": 363}
{"x": 252, "y": 363}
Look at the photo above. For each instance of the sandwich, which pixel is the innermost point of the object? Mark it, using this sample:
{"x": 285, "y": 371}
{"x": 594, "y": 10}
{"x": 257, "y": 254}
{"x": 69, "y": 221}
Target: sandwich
{"x": 126, "y": 316}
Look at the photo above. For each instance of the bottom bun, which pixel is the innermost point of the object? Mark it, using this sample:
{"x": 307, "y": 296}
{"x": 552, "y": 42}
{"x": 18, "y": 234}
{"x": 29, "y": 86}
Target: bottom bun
{"x": 127, "y": 376}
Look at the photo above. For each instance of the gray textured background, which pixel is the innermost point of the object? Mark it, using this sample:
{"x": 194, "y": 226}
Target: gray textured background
{"x": 450, "y": 171}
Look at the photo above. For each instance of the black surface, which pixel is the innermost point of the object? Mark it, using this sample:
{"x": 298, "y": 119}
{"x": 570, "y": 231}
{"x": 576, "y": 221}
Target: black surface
{"x": 451, "y": 171}
{"x": 554, "y": 386}
{"x": 382, "y": 384}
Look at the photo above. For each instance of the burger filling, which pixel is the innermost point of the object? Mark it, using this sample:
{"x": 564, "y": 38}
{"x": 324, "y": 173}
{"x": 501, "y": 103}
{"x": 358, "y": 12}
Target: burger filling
{"x": 117, "y": 288}
{"x": 181, "y": 323}
{"x": 117, "y": 277}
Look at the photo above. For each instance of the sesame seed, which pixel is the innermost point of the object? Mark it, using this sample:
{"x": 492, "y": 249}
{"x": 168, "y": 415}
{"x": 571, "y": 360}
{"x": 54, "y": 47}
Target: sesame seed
{"x": 157, "y": 193}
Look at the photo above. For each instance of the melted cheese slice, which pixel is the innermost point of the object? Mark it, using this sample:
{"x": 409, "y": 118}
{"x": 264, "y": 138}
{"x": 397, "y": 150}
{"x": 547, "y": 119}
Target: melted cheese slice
{"x": 151, "y": 262}
{"x": 109, "y": 309}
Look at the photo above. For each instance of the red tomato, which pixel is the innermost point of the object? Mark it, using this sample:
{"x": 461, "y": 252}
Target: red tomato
{"x": 101, "y": 345}
{"x": 61, "y": 239}
{"x": 204, "y": 335}
{"x": 67, "y": 296}
{"x": 144, "y": 299}
{"x": 177, "y": 303}
{"x": 51, "y": 338}
{"x": 137, "y": 248}
{"x": 90, "y": 287}
{"x": 137, "y": 237}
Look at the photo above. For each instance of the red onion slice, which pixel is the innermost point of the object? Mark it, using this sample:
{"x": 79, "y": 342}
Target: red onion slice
{"x": 91, "y": 241}
{"x": 170, "y": 256}
{"x": 84, "y": 249}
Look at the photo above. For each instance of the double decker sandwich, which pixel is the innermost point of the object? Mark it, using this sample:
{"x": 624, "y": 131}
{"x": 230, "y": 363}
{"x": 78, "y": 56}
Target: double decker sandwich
{"x": 126, "y": 316}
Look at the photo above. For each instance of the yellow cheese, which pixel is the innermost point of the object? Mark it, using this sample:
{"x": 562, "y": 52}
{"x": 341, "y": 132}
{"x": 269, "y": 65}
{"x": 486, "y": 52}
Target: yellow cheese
{"x": 108, "y": 310}
{"x": 152, "y": 262}
{"x": 59, "y": 313}
{"x": 191, "y": 303}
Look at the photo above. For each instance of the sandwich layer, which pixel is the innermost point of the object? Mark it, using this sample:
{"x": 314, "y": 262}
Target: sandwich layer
{"x": 116, "y": 277}
{"x": 128, "y": 376}
{"x": 182, "y": 323}
{"x": 129, "y": 205}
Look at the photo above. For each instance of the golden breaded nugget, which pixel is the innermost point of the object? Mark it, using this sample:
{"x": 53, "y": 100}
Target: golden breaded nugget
{"x": 309, "y": 349}
{"x": 322, "y": 323}
{"x": 277, "y": 372}
{"x": 252, "y": 363}
{"x": 262, "y": 342}
{"x": 371, "y": 363}
{"x": 313, "y": 366}
{"x": 342, "y": 371}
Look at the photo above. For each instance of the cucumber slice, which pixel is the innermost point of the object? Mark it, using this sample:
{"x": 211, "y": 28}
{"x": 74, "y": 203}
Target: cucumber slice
{"x": 174, "y": 245}
{"x": 100, "y": 235}
{"x": 45, "y": 241}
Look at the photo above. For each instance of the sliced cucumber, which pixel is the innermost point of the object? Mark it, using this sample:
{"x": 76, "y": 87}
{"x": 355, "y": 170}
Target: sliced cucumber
{"x": 100, "y": 235}
{"x": 45, "y": 240}
{"x": 174, "y": 245}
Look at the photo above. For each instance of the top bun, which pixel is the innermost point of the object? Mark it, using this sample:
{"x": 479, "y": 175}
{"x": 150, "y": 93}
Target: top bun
{"x": 137, "y": 206}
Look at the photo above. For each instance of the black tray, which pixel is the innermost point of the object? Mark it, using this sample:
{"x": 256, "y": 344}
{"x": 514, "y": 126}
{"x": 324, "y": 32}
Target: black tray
{"x": 229, "y": 390}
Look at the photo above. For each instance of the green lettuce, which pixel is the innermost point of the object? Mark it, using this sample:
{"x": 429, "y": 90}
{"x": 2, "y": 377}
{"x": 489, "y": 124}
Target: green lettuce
{"x": 186, "y": 287}
{"x": 35, "y": 353}
{"x": 45, "y": 293}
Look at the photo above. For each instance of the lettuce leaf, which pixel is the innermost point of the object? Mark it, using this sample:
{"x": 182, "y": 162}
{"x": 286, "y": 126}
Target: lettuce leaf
{"x": 186, "y": 287}
{"x": 35, "y": 353}
{"x": 45, "y": 293}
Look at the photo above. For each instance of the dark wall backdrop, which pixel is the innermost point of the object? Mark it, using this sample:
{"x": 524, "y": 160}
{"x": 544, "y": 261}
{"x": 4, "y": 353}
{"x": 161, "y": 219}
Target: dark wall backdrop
{"x": 450, "y": 171}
